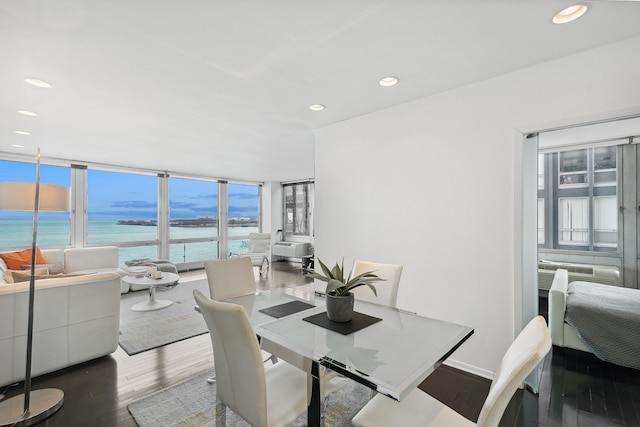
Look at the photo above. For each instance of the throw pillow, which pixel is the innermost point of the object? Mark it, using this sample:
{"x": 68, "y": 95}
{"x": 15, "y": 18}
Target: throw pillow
{"x": 54, "y": 268}
{"x": 24, "y": 275}
{"x": 14, "y": 260}
{"x": 7, "y": 276}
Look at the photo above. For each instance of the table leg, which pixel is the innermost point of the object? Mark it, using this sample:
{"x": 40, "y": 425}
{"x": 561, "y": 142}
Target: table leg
{"x": 315, "y": 409}
{"x": 152, "y": 304}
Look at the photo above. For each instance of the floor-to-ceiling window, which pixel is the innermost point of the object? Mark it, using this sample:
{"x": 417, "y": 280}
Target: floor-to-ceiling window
{"x": 144, "y": 214}
{"x": 16, "y": 228}
{"x": 122, "y": 210}
{"x": 193, "y": 224}
{"x": 243, "y": 215}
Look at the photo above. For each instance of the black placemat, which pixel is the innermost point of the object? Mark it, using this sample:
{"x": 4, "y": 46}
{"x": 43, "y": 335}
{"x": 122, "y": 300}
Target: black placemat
{"x": 357, "y": 322}
{"x": 286, "y": 309}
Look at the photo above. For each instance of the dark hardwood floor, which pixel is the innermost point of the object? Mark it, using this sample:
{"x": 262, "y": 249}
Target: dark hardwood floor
{"x": 577, "y": 389}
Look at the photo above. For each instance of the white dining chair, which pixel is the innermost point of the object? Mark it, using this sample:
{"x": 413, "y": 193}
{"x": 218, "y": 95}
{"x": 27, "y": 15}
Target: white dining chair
{"x": 230, "y": 278}
{"x": 387, "y": 289}
{"x": 420, "y": 409}
{"x": 270, "y": 397}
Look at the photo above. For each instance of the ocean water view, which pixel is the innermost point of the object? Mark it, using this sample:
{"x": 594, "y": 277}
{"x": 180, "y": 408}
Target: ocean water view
{"x": 17, "y": 234}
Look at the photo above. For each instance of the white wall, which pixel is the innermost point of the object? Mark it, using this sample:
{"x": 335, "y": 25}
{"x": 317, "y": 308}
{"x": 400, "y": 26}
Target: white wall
{"x": 433, "y": 185}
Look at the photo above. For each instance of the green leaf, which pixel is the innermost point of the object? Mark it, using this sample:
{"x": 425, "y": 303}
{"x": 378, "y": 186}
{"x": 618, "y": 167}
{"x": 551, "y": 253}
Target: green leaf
{"x": 335, "y": 273}
{"x": 325, "y": 269}
{"x": 336, "y": 286}
{"x": 373, "y": 288}
{"x": 314, "y": 275}
{"x": 336, "y": 282}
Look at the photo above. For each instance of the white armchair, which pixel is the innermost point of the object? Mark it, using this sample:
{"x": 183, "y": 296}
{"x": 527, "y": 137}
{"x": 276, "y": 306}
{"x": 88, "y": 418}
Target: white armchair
{"x": 259, "y": 250}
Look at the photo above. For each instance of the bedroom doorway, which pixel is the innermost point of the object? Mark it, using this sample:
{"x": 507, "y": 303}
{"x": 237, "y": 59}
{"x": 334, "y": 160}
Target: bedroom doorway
{"x": 601, "y": 233}
{"x": 588, "y": 203}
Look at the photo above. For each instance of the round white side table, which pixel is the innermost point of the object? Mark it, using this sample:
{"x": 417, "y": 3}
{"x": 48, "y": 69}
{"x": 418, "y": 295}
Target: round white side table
{"x": 152, "y": 303}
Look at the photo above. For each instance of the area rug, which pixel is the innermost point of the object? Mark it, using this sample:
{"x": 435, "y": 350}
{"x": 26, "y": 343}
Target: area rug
{"x": 192, "y": 404}
{"x": 142, "y": 331}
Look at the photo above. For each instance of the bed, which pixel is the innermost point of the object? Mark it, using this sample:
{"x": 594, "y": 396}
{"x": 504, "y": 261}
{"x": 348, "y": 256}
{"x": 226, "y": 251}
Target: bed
{"x": 596, "y": 318}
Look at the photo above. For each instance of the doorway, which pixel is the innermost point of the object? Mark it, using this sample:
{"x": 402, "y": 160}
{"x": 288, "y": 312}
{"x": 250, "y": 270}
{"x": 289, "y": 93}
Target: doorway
{"x": 564, "y": 243}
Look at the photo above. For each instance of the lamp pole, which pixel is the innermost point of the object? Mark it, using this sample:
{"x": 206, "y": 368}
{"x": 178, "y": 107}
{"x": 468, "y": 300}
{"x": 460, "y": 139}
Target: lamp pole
{"x": 39, "y": 404}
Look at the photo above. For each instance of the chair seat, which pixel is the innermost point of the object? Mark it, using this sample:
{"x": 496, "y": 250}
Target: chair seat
{"x": 256, "y": 259}
{"x": 416, "y": 409}
{"x": 420, "y": 409}
{"x": 283, "y": 406}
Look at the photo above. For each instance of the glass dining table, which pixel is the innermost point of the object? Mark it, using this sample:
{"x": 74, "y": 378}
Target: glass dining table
{"x": 391, "y": 356}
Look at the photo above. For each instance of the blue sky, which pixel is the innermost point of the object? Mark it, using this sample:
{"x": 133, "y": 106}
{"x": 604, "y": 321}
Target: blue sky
{"x": 115, "y": 196}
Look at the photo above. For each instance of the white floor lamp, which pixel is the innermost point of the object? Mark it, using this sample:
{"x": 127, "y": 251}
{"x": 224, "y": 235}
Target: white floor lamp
{"x": 32, "y": 406}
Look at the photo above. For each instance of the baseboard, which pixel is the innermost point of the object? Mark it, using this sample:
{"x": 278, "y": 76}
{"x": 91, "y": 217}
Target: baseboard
{"x": 474, "y": 370}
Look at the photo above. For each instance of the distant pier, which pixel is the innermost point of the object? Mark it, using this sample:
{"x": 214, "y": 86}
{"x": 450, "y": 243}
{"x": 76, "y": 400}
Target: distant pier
{"x": 193, "y": 223}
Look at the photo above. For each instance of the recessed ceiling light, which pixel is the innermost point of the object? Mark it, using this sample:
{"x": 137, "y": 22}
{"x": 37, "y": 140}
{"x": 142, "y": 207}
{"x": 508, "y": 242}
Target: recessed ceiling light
{"x": 22, "y": 132}
{"x": 27, "y": 113}
{"x": 36, "y": 82}
{"x": 569, "y": 14}
{"x": 388, "y": 81}
{"x": 17, "y": 145}
{"x": 316, "y": 107}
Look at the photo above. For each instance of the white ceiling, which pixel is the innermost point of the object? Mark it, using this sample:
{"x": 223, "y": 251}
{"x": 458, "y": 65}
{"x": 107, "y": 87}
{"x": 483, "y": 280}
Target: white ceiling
{"x": 222, "y": 88}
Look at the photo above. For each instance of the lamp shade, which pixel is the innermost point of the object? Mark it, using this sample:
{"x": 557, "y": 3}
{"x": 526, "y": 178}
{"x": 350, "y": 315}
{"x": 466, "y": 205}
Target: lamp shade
{"x": 21, "y": 196}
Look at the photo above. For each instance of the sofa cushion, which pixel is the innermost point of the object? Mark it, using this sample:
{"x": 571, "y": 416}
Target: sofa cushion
{"x": 53, "y": 255}
{"x": 54, "y": 268}
{"x": 84, "y": 259}
{"x": 14, "y": 260}
{"x": 17, "y": 276}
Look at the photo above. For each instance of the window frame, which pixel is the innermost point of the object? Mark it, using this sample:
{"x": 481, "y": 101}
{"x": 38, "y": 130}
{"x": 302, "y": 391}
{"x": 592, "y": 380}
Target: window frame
{"x": 554, "y": 190}
{"x": 79, "y": 211}
{"x": 296, "y": 215}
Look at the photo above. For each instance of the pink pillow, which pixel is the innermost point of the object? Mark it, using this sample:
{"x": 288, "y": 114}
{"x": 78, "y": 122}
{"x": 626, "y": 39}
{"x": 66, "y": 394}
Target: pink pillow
{"x": 54, "y": 268}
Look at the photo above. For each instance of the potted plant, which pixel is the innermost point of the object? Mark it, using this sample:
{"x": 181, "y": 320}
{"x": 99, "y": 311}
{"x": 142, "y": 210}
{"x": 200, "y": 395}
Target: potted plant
{"x": 339, "y": 296}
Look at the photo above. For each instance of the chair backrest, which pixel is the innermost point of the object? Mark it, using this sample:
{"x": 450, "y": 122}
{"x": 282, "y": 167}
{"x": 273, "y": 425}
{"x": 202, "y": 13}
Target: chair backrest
{"x": 522, "y": 356}
{"x": 230, "y": 278}
{"x": 240, "y": 377}
{"x": 259, "y": 242}
{"x": 387, "y": 289}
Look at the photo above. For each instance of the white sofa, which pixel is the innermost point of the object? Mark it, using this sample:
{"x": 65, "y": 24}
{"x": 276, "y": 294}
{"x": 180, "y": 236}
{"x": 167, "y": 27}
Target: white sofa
{"x": 562, "y": 334}
{"x": 103, "y": 259}
{"x": 75, "y": 318}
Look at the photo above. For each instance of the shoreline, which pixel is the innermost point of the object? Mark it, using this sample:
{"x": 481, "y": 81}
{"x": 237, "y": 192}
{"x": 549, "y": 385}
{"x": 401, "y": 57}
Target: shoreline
{"x": 190, "y": 223}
